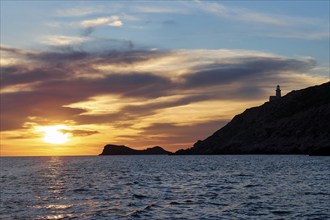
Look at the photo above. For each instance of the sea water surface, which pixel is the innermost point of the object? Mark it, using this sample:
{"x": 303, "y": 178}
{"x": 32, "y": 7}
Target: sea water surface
{"x": 165, "y": 187}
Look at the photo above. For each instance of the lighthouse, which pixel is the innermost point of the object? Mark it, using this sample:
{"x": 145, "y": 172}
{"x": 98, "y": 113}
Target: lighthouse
{"x": 277, "y": 94}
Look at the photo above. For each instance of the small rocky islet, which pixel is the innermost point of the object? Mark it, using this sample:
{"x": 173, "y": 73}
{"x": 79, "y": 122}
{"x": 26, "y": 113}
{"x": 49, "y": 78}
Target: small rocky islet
{"x": 111, "y": 149}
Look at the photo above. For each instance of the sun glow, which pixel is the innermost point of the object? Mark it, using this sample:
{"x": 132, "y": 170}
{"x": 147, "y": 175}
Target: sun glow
{"x": 57, "y": 134}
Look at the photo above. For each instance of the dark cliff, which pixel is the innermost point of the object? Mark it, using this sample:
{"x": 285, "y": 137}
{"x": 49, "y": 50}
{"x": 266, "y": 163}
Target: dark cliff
{"x": 123, "y": 150}
{"x": 298, "y": 123}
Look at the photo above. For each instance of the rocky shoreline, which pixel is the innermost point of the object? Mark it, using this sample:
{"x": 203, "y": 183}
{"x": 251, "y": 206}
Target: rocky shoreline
{"x": 297, "y": 123}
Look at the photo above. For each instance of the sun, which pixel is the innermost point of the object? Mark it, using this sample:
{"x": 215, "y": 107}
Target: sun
{"x": 56, "y": 134}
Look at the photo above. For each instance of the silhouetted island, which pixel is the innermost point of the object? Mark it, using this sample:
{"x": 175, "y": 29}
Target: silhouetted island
{"x": 297, "y": 123}
{"x": 111, "y": 149}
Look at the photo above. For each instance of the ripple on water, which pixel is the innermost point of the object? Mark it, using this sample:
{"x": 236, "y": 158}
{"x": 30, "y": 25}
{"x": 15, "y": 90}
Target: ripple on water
{"x": 163, "y": 187}
{"x": 137, "y": 196}
{"x": 80, "y": 190}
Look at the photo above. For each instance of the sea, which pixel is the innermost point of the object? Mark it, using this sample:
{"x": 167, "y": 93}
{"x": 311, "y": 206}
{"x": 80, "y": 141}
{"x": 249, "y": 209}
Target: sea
{"x": 165, "y": 187}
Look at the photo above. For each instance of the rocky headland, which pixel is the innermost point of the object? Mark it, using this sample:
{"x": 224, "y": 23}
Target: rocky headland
{"x": 111, "y": 149}
{"x": 297, "y": 123}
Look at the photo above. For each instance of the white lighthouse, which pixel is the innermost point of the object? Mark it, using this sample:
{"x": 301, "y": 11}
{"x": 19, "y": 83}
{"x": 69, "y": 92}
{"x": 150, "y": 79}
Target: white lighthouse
{"x": 277, "y": 94}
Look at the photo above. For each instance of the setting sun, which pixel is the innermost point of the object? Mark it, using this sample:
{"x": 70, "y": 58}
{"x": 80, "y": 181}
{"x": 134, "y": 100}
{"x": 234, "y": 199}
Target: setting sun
{"x": 55, "y": 134}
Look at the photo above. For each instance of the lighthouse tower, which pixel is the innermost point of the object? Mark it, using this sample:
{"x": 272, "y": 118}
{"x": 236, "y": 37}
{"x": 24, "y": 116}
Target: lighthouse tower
{"x": 277, "y": 94}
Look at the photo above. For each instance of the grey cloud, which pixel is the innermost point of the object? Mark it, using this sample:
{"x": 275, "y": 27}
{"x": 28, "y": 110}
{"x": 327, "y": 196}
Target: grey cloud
{"x": 101, "y": 52}
{"x": 245, "y": 69}
{"x": 16, "y": 51}
{"x": 21, "y": 75}
{"x": 65, "y": 56}
{"x": 88, "y": 31}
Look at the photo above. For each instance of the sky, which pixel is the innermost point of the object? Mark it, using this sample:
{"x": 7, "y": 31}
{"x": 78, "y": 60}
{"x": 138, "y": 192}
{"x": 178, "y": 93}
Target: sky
{"x": 76, "y": 75}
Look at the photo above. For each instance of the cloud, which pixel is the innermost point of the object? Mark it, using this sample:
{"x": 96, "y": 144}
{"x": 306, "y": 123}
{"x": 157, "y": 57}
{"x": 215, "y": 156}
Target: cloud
{"x": 22, "y": 87}
{"x": 128, "y": 17}
{"x": 80, "y": 11}
{"x": 254, "y": 16}
{"x": 90, "y": 25}
{"x": 61, "y": 40}
{"x": 159, "y": 10}
{"x": 54, "y": 82}
{"x": 23, "y": 134}
{"x": 15, "y": 51}
{"x": 283, "y": 26}
{"x": 26, "y": 134}
{"x": 80, "y": 133}
{"x": 302, "y": 35}
{"x": 111, "y": 21}
{"x": 246, "y": 69}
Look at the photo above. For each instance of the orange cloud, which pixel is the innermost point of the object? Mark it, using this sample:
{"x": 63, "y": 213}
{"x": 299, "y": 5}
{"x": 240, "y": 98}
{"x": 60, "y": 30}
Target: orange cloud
{"x": 141, "y": 97}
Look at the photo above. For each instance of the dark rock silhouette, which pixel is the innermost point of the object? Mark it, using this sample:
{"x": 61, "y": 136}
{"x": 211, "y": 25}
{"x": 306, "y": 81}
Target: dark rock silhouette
{"x": 111, "y": 149}
{"x": 297, "y": 123}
